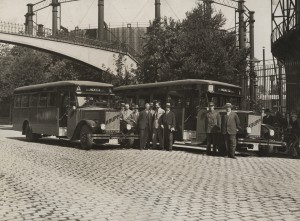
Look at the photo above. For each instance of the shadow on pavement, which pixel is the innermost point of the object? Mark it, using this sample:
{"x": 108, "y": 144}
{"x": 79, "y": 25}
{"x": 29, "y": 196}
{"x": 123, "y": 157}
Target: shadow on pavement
{"x": 5, "y": 127}
{"x": 65, "y": 143}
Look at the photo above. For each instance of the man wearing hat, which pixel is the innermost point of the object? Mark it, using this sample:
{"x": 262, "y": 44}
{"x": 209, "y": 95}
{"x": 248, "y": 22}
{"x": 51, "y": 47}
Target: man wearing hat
{"x": 122, "y": 110}
{"x": 268, "y": 119}
{"x": 126, "y": 113}
{"x": 157, "y": 129}
{"x": 144, "y": 125}
{"x": 168, "y": 125}
{"x": 230, "y": 127}
{"x": 212, "y": 128}
{"x": 152, "y": 111}
{"x": 134, "y": 116}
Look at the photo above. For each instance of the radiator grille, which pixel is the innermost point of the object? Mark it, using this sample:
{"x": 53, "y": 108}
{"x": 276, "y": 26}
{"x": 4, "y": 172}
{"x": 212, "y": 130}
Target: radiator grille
{"x": 112, "y": 121}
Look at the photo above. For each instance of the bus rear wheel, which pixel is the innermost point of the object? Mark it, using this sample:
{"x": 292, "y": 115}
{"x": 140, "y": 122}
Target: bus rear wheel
{"x": 30, "y": 137}
{"x": 85, "y": 139}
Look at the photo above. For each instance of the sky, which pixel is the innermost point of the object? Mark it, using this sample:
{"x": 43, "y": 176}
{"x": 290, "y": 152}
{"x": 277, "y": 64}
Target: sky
{"x": 83, "y": 13}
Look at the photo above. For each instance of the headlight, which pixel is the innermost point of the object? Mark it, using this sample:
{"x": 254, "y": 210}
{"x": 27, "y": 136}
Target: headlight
{"x": 102, "y": 126}
{"x": 249, "y": 130}
{"x": 272, "y": 132}
{"x": 128, "y": 127}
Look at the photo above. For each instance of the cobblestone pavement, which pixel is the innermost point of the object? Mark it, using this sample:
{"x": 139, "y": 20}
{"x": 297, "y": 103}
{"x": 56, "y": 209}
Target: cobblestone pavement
{"x": 51, "y": 180}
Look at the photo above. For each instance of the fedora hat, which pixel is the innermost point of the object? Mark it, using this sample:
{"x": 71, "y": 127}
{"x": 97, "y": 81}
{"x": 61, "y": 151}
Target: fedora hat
{"x": 210, "y": 104}
{"x": 228, "y": 105}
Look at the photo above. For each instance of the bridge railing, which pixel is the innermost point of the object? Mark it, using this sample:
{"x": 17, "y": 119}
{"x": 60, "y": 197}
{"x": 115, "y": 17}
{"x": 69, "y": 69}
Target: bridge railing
{"x": 77, "y": 38}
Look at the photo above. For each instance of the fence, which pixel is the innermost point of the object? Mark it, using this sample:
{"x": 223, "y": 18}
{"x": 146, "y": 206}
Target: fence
{"x": 278, "y": 87}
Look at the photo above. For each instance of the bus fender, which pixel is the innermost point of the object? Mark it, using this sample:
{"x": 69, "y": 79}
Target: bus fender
{"x": 92, "y": 124}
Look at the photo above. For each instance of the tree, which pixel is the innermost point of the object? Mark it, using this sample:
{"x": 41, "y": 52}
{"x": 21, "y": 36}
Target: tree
{"x": 196, "y": 47}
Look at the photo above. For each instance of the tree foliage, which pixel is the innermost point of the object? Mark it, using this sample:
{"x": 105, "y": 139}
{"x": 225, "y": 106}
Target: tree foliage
{"x": 22, "y": 66}
{"x": 195, "y": 47}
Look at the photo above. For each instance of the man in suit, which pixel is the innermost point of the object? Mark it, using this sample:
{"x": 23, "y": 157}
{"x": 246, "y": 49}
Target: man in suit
{"x": 126, "y": 113}
{"x": 212, "y": 128}
{"x": 168, "y": 125}
{"x": 268, "y": 119}
{"x": 144, "y": 125}
{"x": 157, "y": 130}
{"x": 230, "y": 127}
{"x": 134, "y": 116}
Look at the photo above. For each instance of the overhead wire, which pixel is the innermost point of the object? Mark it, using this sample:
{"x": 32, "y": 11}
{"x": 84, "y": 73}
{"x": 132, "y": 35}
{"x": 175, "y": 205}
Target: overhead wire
{"x": 86, "y": 12}
{"x": 172, "y": 9}
{"x": 141, "y": 10}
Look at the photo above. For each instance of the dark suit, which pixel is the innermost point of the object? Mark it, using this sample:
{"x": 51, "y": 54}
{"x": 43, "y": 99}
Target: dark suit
{"x": 169, "y": 121}
{"x": 144, "y": 124}
{"x": 157, "y": 130}
{"x": 230, "y": 127}
{"x": 212, "y": 128}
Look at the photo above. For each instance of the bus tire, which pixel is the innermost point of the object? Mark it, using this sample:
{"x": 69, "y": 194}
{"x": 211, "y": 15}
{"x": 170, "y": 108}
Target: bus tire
{"x": 30, "y": 137}
{"x": 263, "y": 150}
{"x": 85, "y": 139}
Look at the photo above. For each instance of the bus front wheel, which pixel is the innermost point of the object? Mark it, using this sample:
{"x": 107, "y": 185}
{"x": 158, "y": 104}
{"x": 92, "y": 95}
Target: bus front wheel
{"x": 30, "y": 137}
{"x": 85, "y": 139}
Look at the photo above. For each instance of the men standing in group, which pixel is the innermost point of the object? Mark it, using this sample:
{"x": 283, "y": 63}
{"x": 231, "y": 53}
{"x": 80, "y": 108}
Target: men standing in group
{"x": 134, "y": 116}
{"x": 212, "y": 128}
{"x": 268, "y": 119}
{"x": 152, "y": 111}
{"x": 230, "y": 127}
{"x": 169, "y": 124}
{"x": 144, "y": 125}
{"x": 157, "y": 129}
{"x": 126, "y": 113}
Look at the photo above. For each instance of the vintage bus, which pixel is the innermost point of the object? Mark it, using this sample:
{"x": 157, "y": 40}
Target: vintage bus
{"x": 189, "y": 99}
{"x": 76, "y": 110}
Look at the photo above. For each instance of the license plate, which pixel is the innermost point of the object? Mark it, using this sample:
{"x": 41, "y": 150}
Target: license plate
{"x": 113, "y": 141}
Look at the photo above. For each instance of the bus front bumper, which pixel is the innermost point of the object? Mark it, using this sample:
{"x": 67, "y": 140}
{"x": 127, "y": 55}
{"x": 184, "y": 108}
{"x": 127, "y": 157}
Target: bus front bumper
{"x": 113, "y": 136}
{"x": 261, "y": 142}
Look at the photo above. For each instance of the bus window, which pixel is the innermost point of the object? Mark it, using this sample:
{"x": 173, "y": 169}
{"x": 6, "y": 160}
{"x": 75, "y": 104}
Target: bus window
{"x": 18, "y": 101}
{"x": 25, "y": 101}
{"x": 43, "y": 100}
{"x": 33, "y": 100}
{"x": 51, "y": 100}
{"x": 92, "y": 100}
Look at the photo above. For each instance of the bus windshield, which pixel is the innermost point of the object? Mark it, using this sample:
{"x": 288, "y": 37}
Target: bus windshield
{"x": 93, "y": 101}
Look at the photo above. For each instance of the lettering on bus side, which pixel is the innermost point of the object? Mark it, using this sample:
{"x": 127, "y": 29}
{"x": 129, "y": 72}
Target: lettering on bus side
{"x": 254, "y": 123}
{"x": 112, "y": 119}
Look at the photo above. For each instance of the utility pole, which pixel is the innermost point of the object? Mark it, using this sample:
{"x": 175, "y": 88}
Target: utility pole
{"x": 280, "y": 87}
{"x": 29, "y": 20}
{"x": 242, "y": 45}
{"x": 252, "y": 66}
{"x": 101, "y": 20}
{"x": 264, "y": 69}
{"x": 55, "y": 6}
{"x": 157, "y": 10}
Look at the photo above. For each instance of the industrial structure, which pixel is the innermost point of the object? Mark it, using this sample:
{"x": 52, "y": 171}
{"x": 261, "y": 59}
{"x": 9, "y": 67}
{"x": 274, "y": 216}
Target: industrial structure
{"x": 286, "y": 47}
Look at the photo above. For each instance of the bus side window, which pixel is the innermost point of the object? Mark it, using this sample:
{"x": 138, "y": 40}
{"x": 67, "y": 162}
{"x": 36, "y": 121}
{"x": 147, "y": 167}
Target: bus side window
{"x": 43, "y": 100}
{"x": 52, "y": 100}
{"x": 25, "y": 101}
{"x": 17, "y": 101}
{"x": 33, "y": 100}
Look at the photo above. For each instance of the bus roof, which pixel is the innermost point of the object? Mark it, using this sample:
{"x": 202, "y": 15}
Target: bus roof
{"x": 172, "y": 83}
{"x": 62, "y": 84}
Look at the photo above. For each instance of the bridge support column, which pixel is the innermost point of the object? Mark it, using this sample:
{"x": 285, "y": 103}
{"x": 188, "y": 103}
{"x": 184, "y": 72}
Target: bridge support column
{"x": 242, "y": 45}
{"x": 29, "y": 20}
{"x": 55, "y": 6}
{"x": 298, "y": 13}
{"x": 252, "y": 66}
{"x": 101, "y": 20}
{"x": 157, "y": 10}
